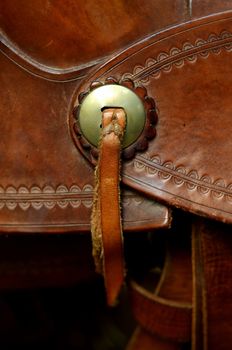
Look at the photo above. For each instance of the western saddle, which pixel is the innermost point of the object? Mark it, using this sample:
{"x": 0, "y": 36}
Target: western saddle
{"x": 116, "y": 118}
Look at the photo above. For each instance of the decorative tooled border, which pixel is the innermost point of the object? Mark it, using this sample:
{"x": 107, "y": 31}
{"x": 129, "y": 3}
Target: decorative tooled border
{"x": 180, "y": 176}
{"x": 177, "y": 57}
{"x": 47, "y": 197}
{"x": 153, "y": 68}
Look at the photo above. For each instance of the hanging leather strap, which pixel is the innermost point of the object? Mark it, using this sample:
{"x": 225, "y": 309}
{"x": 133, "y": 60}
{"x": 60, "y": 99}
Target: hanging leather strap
{"x": 106, "y": 224}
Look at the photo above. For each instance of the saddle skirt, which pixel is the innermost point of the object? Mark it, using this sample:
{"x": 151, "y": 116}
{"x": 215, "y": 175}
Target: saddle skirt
{"x": 47, "y": 185}
{"x": 177, "y": 56}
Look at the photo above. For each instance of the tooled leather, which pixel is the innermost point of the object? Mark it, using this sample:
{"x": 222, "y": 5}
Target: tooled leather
{"x": 46, "y": 185}
{"x": 187, "y": 71}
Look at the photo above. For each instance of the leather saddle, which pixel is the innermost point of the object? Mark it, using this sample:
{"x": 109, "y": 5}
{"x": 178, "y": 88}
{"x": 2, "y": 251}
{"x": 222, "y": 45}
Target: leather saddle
{"x": 175, "y": 57}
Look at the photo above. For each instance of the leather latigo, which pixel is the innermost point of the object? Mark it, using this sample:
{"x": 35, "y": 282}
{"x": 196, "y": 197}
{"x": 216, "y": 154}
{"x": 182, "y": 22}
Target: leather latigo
{"x": 187, "y": 70}
{"x": 46, "y": 184}
{"x": 106, "y": 223}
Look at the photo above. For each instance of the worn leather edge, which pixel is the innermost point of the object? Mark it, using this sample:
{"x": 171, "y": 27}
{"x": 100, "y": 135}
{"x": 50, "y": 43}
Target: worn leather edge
{"x": 34, "y": 67}
{"x": 80, "y": 72}
{"x": 162, "y": 218}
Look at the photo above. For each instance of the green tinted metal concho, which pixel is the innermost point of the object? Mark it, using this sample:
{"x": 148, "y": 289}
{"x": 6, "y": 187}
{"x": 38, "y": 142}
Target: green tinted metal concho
{"x": 111, "y": 95}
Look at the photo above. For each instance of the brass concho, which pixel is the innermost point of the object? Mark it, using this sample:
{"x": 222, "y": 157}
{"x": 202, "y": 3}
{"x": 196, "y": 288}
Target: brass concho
{"x": 140, "y": 113}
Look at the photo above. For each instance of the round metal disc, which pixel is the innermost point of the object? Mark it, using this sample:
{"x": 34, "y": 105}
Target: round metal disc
{"x": 90, "y": 113}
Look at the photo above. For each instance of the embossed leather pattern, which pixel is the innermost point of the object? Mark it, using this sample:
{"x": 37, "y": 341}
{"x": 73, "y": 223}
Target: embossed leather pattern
{"x": 50, "y": 52}
{"x": 46, "y": 184}
{"x": 170, "y": 65}
{"x": 187, "y": 70}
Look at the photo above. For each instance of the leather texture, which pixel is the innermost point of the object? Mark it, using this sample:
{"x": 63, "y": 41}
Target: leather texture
{"x": 106, "y": 225}
{"x": 164, "y": 311}
{"x": 78, "y": 37}
{"x": 212, "y": 326}
{"x": 184, "y": 62}
{"x": 173, "y": 60}
{"x": 186, "y": 70}
{"x": 46, "y": 185}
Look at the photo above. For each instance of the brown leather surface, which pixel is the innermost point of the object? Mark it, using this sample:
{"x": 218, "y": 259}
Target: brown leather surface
{"x": 165, "y": 318}
{"x": 57, "y": 40}
{"x": 166, "y": 172}
{"x": 67, "y": 27}
{"x": 63, "y": 39}
{"x": 141, "y": 339}
{"x": 215, "y": 254}
{"x": 187, "y": 70}
{"x": 166, "y": 312}
{"x": 46, "y": 185}
{"x": 211, "y": 316}
{"x": 208, "y": 7}
{"x": 106, "y": 223}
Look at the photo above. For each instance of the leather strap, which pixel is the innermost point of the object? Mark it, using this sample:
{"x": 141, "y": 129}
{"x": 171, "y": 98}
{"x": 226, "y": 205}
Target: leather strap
{"x": 214, "y": 258}
{"x": 199, "y": 315}
{"x": 143, "y": 340}
{"x": 106, "y": 219}
{"x": 166, "y": 313}
{"x": 166, "y": 318}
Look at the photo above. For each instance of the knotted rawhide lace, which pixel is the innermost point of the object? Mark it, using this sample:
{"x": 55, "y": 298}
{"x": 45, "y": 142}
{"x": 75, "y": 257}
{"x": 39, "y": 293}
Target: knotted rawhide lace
{"x": 106, "y": 223}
